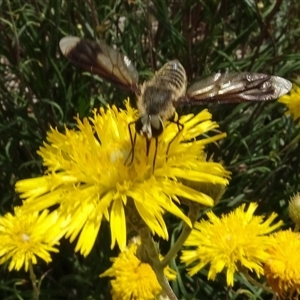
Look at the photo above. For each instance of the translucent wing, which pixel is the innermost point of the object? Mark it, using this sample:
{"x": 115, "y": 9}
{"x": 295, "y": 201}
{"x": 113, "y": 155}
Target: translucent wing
{"x": 100, "y": 59}
{"x": 234, "y": 87}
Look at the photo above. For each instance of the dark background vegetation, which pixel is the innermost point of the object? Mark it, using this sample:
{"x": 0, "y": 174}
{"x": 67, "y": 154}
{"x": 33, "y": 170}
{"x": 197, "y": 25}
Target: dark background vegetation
{"x": 39, "y": 89}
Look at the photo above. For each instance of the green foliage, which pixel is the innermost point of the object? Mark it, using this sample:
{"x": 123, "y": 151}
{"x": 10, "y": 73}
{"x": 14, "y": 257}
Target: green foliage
{"x": 39, "y": 89}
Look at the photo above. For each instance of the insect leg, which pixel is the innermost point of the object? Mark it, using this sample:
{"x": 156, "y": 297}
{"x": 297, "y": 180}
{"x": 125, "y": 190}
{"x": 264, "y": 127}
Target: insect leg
{"x": 155, "y": 153}
{"x": 132, "y": 141}
{"x": 180, "y": 128}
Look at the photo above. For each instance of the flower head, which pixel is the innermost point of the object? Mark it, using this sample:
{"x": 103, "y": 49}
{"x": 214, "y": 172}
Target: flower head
{"x": 89, "y": 177}
{"x": 134, "y": 279}
{"x": 24, "y": 237}
{"x": 232, "y": 240}
{"x": 282, "y": 268}
{"x": 292, "y": 101}
{"x": 294, "y": 209}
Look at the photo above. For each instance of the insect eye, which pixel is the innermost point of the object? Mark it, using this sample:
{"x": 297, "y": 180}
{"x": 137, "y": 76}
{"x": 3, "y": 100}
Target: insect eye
{"x": 157, "y": 126}
{"x": 138, "y": 125}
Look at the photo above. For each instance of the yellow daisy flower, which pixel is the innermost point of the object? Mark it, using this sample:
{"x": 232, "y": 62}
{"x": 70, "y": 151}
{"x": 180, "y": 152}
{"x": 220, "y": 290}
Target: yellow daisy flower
{"x": 134, "y": 279}
{"x": 292, "y": 101}
{"x": 24, "y": 237}
{"x": 89, "y": 176}
{"x": 227, "y": 242}
{"x": 294, "y": 209}
{"x": 282, "y": 268}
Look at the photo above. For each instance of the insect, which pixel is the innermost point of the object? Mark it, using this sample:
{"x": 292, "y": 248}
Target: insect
{"x": 158, "y": 97}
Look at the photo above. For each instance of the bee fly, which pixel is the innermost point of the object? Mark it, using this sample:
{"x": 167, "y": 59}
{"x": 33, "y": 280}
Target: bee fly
{"x": 158, "y": 97}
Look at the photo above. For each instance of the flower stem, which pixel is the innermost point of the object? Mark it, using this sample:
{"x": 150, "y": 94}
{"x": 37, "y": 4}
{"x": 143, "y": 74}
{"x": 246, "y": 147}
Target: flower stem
{"x": 256, "y": 283}
{"x": 186, "y": 230}
{"x": 36, "y": 292}
{"x": 152, "y": 257}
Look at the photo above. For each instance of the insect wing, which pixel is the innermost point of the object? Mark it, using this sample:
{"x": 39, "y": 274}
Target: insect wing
{"x": 100, "y": 59}
{"x": 237, "y": 87}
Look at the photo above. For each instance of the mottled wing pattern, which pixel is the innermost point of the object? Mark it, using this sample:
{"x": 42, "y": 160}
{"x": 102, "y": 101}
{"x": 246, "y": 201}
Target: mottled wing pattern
{"x": 236, "y": 87}
{"x": 101, "y": 59}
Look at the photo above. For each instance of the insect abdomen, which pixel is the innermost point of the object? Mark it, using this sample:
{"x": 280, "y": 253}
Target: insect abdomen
{"x": 173, "y": 76}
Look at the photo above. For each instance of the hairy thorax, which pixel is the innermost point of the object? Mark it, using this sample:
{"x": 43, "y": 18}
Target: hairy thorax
{"x": 159, "y": 94}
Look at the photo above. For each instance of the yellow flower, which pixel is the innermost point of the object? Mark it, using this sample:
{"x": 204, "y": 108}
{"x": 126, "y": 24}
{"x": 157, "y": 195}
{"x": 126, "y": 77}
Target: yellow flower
{"x": 89, "y": 178}
{"x": 134, "y": 279}
{"x": 292, "y": 101}
{"x": 24, "y": 237}
{"x": 294, "y": 209}
{"x": 230, "y": 241}
{"x": 282, "y": 269}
